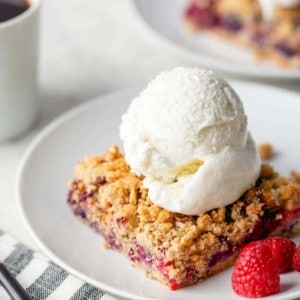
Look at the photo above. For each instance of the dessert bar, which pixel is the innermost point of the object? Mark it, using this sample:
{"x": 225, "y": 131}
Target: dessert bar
{"x": 177, "y": 249}
{"x": 275, "y": 36}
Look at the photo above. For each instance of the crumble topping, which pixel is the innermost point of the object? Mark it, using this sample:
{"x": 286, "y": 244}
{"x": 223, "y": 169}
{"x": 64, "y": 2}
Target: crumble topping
{"x": 115, "y": 203}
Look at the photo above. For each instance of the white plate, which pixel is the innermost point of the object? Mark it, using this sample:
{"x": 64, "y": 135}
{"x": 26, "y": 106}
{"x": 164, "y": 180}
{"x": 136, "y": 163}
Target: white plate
{"x": 164, "y": 19}
{"x": 91, "y": 129}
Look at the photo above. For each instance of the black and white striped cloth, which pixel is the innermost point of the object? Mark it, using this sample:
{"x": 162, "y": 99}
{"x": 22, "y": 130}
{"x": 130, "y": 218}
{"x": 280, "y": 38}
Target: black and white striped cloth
{"x": 41, "y": 278}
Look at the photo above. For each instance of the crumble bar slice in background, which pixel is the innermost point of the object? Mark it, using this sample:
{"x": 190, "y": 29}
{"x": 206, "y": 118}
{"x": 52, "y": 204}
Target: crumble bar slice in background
{"x": 176, "y": 249}
{"x": 242, "y": 22}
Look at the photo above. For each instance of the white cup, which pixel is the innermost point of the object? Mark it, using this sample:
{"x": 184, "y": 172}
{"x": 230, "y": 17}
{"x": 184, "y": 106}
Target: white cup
{"x": 19, "y": 43}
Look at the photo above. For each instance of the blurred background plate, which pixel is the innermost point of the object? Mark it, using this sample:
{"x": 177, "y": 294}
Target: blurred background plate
{"x": 91, "y": 129}
{"x": 165, "y": 20}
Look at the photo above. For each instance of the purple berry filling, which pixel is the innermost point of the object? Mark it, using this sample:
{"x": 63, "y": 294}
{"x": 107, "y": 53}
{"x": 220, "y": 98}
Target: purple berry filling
{"x": 100, "y": 180}
{"x": 202, "y": 16}
{"x": 121, "y": 222}
{"x": 144, "y": 256}
{"x": 206, "y": 17}
{"x": 79, "y": 211}
{"x": 231, "y": 24}
{"x": 262, "y": 228}
{"x": 95, "y": 226}
{"x": 84, "y": 195}
{"x": 139, "y": 254}
{"x": 285, "y": 49}
{"x": 112, "y": 241}
{"x": 220, "y": 256}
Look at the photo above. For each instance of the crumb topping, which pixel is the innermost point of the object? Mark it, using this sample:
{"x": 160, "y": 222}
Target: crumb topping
{"x": 117, "y": 199}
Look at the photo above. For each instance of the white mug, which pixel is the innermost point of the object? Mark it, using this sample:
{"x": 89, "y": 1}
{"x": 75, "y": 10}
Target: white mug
{"x": 19, "y": 43}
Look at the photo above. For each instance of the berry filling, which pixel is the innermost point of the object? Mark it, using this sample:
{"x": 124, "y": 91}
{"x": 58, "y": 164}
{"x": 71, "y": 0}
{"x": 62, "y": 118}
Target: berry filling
{"x": 206, "y": 18}
{"x": 285, "y": 50}
{"x": 203, "y": 17}
{"x": 231, "y": 23}
{"x": 111, "y": 239}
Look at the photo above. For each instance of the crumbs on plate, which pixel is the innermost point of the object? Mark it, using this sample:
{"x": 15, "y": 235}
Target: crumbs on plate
{"x": 266, "y": 151}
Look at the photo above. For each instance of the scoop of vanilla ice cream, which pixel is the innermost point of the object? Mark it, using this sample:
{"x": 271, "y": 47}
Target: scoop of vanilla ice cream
{"x": 186, "y": 133}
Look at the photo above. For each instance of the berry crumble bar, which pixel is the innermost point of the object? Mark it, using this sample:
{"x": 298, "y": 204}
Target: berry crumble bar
{"x": 176, "y": 249}
{"x": 277, "y": 38}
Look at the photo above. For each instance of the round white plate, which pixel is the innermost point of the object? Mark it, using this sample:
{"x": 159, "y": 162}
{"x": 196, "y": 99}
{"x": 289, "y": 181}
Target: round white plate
{"x": 91, "y": 129}
{"x": 164, "y": 19}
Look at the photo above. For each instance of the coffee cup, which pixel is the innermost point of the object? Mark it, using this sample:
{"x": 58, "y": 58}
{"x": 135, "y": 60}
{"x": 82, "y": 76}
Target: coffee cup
{"x": 19, "y": 54}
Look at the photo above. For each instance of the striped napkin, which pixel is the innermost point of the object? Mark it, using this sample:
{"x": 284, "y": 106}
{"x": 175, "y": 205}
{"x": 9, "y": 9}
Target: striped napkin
{"x": 41, "y": 278}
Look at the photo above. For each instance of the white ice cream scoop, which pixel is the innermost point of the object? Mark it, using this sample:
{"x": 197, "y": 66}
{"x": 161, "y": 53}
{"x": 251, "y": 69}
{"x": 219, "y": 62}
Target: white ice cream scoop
{"x": 187, "y": 134}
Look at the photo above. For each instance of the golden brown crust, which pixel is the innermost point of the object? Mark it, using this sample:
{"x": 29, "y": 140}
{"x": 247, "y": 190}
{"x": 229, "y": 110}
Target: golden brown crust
{"x": 114, "y": 201}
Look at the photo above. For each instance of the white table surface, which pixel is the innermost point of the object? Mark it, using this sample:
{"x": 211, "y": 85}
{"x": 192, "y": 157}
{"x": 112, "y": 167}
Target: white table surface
{"x": 88, "y": 48}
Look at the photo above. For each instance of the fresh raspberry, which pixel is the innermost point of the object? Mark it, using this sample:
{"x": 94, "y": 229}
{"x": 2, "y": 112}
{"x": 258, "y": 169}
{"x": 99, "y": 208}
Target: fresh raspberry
{"x": 296, "y": 259}
{"x": 255, "y": 273}
{"x": 282, "y": 250}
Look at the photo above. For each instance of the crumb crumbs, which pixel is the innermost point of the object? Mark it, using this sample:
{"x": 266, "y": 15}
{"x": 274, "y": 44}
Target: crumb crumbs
{"x": 266, "y": 151}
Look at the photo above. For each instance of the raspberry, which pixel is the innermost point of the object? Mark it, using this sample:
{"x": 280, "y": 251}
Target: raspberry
{"x": 255, "y": 273}
{"x": 282, "y": 250}
{"x": 296, "y": 259}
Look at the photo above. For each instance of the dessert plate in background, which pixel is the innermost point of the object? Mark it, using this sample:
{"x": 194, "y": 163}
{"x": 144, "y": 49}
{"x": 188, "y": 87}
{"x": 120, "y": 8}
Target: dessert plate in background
{"x": 165, "y": 20}
{"x": 48, "y": 164}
